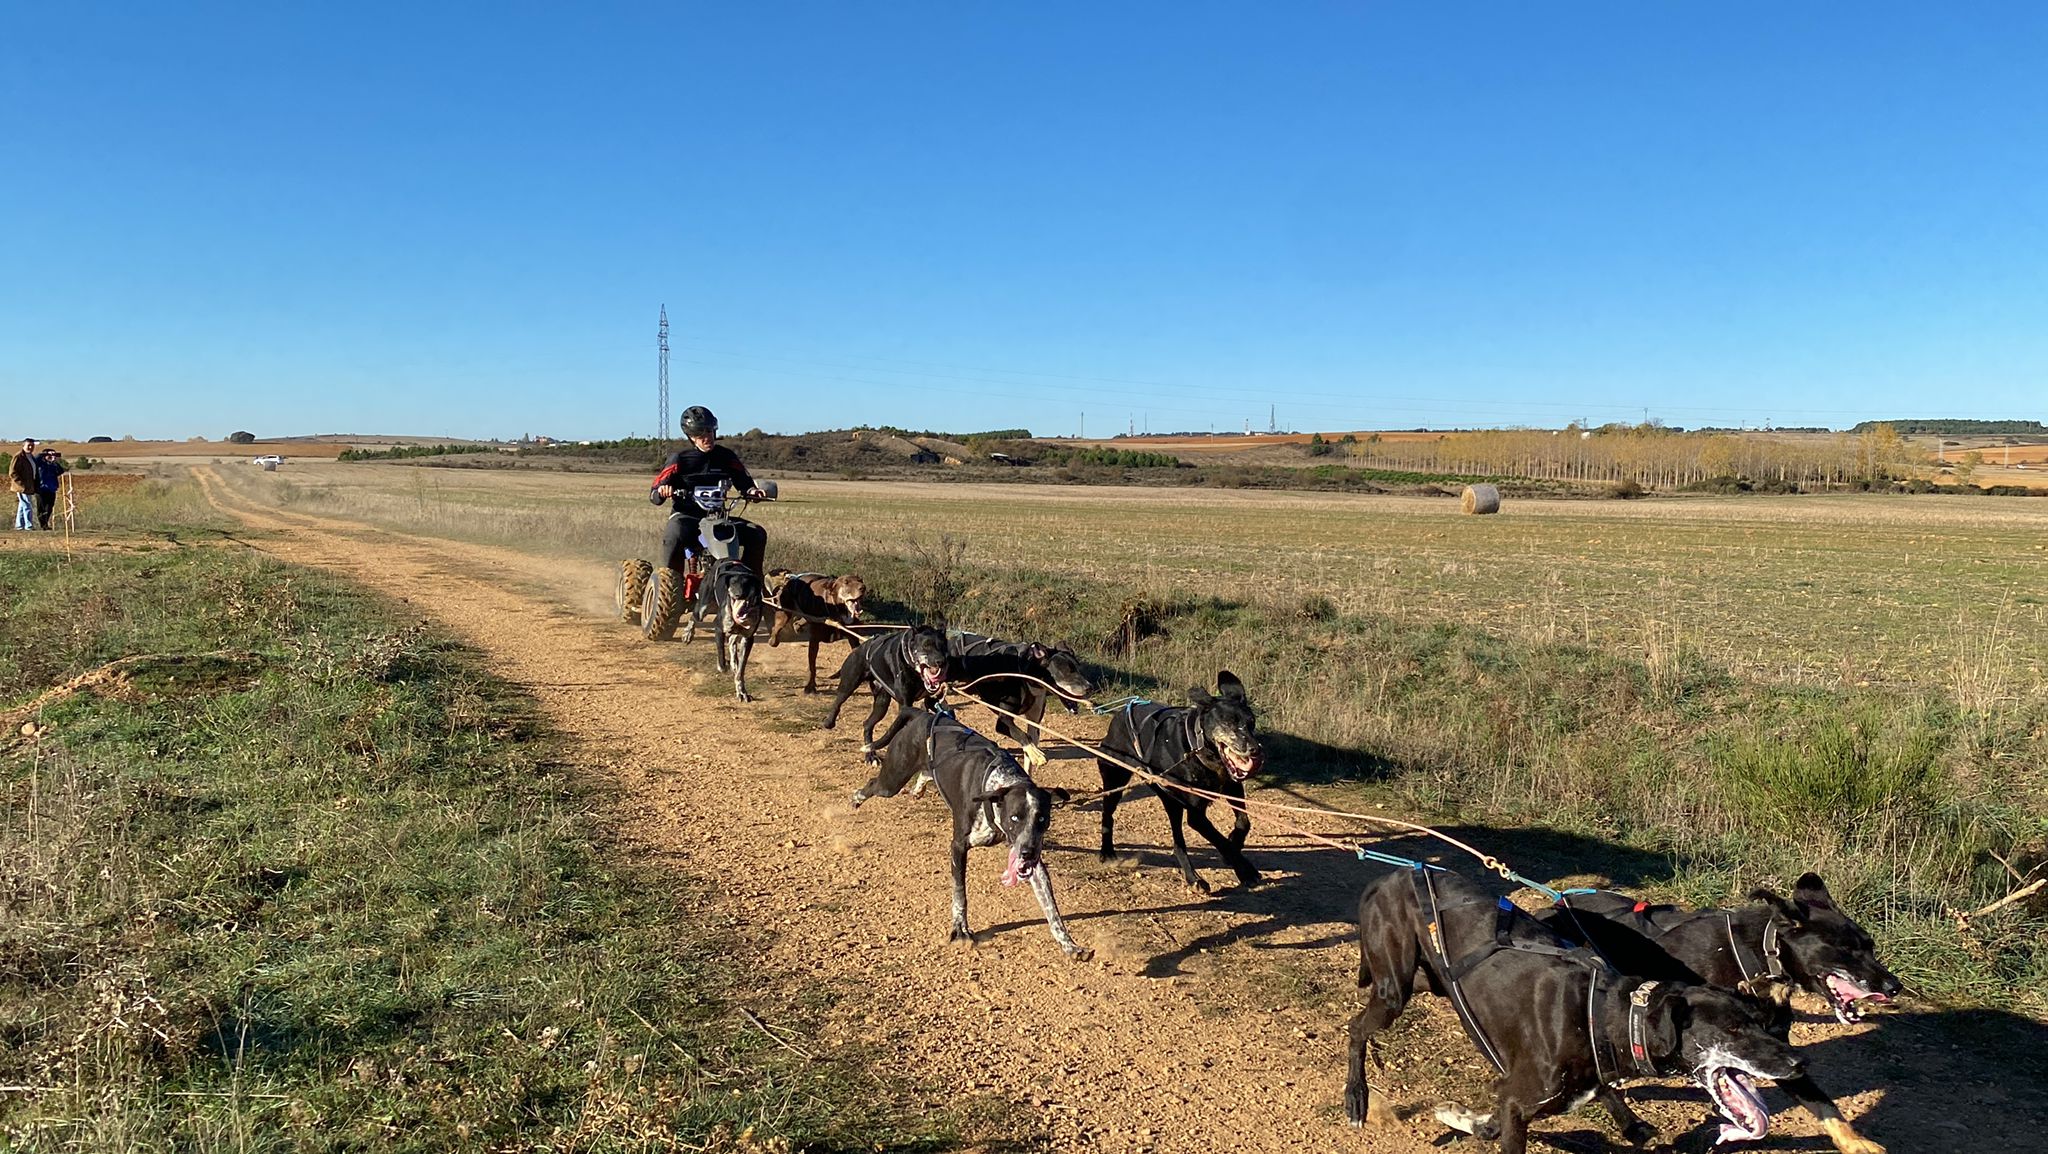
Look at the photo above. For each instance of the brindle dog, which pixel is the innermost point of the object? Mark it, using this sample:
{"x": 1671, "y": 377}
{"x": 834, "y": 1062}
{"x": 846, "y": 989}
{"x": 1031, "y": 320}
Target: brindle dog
{"x": 815, "y": 608}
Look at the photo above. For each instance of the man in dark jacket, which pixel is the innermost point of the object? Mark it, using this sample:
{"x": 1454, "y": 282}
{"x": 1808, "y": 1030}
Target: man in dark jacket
{"x": 50, "y": 470}
{"x": 21, "y": 478}
{"x": 702, "y": 456}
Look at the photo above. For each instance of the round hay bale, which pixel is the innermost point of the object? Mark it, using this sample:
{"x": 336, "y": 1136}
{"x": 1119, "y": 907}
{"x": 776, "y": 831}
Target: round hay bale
{"x": 1480, "y": 499}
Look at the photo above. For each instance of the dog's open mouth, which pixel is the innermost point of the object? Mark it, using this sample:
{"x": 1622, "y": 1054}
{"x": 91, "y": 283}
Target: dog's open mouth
{"x": 934, "y": 677}
{"x": 1844, "y": 992}
{"x": 1736, "y": 1097}
{"x": 1018, "y": 869}
{"x": 1241, "y": 765}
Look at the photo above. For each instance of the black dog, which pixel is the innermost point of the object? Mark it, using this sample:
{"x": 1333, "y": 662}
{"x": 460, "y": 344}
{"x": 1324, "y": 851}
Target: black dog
{"x": 907, "y": 667}
{"x": 975, "y": 657}
{"x": 1559, "y": 1026}
{"x": 993, "y": 800}
{"x": 1764, "y": 950}
{"x": 733, "y": 596}
{"x": 1212, "y": 744}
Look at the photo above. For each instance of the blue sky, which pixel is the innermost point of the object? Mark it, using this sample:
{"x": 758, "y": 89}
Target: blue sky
{"x": 461, "y": 219}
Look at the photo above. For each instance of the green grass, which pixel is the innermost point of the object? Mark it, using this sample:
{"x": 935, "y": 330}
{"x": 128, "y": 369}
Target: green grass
{"x": 331, "y": 888}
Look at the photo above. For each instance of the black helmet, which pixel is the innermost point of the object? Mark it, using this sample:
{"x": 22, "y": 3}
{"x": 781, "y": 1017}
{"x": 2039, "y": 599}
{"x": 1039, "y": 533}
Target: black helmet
{"x": 699, "y": 421}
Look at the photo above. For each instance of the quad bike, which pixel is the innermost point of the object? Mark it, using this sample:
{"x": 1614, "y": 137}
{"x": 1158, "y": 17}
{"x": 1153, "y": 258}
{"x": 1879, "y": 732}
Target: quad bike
{"x": 653, "y": 596}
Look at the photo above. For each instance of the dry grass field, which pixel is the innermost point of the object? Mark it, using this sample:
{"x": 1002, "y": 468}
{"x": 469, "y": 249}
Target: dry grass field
{"x": 1738, "y": 688}
{"x": 1809, "y": 590}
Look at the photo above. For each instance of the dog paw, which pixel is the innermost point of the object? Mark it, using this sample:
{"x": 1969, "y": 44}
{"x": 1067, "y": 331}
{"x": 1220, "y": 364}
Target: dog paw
{"x": 1081, "y": 954}
{"x": 1639, "y": 1133}
{"x": 1199, "y": 886}
{"x": 743, "y": 695}
{"x": 962, "y": 937}
{"x": 1249, "y": 878}
{"x": 858, "y": 797}
{"x": 1847, "y": 1140}
{"x": 810, "y": 689}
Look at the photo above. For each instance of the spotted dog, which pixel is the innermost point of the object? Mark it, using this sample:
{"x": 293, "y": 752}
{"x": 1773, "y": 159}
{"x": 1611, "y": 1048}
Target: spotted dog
{"x": 1764, "y": 950}
{"x": 732, "y": 596}
{"x": 811, "y": 607}
{"x": 993, "y": 800}
{"x": 1560, "y": 1027}
{"x": 981, "y": 663}
{"x": 1212, "y": 745}
{"x": 907, "y": 667}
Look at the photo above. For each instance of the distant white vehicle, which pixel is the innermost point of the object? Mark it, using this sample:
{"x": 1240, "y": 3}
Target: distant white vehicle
{"x": 270, "y": 461}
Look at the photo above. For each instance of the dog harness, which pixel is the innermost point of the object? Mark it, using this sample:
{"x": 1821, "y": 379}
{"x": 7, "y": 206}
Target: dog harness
{"x": 1191, "y": 733}
{"x": 1505, "y": 919}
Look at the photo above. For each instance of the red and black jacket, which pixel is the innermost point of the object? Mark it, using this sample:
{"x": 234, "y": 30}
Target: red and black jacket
{"x": 692, "y": 461}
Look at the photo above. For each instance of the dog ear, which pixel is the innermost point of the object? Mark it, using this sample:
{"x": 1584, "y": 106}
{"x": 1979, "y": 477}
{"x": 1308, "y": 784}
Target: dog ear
{"x": 1059, "y": 796}
{"x": 1035, "y": 652}
{"x": 1199, "y": 696}
{"x": 1790, "y": 914}
{"x": 1229, "y": 687}
{"x": 1811, "y": 891}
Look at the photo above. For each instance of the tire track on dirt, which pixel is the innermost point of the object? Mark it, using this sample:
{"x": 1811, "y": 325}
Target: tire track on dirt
{"x": 1190, "y": 1031}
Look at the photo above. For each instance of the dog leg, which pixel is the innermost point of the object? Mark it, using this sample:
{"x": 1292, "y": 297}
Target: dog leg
{"x": 1462, "y": 1120}
{"x": 1360, "y": 1107}
{"x": 1175, "y": 812}
{"x": 1817, "y": 1102}
{"x": 887, "y": 781}
{"x": 1041, "y": 886}
{"x": 1634, "y": 1130}
{"x": 849, "y": 680}
{"x": 960, "y": 933}
{"x": 867, "y": 731}
{"x": 1114, "y": 778}
{"x": 1847, "y": 1140}
{"x": 896, "y": 725}
{"x": 811, "y": 686}
{"x": 742, "y": 648}
{"x": 719, "y": 635}
{"x": 1199, "y": 819}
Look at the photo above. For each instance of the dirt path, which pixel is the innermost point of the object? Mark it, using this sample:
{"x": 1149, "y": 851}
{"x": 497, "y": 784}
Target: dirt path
{"x": 1204, "y": 1022}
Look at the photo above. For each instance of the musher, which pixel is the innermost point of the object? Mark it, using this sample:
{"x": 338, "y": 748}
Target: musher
{"x": 703, "y": 456}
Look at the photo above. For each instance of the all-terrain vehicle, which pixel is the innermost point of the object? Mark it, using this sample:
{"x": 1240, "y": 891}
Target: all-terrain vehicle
{"x": 655, "y": 596}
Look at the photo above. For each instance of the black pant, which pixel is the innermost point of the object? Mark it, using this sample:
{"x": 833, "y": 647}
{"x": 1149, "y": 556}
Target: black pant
{"x": 46, "y": 501}
{"x": 681, "y": 537}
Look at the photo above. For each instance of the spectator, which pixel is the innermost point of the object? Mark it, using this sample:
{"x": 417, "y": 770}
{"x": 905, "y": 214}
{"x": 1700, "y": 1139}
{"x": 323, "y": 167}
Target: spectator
{"x": 50, "y": 470}
{"x": 21, "y": 477}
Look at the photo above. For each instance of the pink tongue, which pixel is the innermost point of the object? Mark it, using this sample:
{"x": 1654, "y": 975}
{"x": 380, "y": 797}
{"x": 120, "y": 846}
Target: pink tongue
{"x": 1013, "y": 872}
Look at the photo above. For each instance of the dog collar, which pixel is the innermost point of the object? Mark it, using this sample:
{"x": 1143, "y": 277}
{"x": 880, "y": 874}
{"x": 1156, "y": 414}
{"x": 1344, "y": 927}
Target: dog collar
{"x": 1773, "y": 965}
{"x": 1639, "y": 1029}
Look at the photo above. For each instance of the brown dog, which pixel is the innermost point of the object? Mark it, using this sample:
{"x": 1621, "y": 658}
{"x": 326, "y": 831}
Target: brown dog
{"x": 811, "y": 607}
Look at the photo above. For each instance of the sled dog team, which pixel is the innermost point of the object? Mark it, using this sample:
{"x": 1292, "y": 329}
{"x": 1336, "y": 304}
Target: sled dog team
{"x": 1565, "y": 1005}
